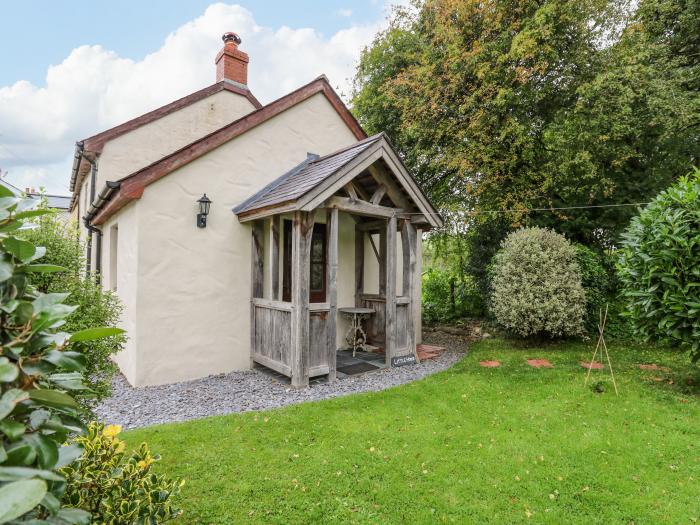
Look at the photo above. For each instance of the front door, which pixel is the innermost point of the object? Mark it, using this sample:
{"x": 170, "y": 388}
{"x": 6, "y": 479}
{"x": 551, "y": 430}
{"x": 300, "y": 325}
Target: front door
{"x": 317, "y": 279}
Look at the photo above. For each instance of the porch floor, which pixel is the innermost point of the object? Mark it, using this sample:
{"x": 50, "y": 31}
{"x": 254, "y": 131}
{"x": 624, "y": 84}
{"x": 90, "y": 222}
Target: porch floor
{"x": 361, "y": 363}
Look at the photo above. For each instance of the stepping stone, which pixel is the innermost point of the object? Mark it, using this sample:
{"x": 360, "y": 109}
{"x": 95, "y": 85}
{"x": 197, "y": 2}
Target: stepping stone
{"x": 592, "y": 366}
{"x": 540, "y": 363}
{"x": 654, "y": 367}
{"x": 428, "y": 351}
{"x": 490, "y": 364}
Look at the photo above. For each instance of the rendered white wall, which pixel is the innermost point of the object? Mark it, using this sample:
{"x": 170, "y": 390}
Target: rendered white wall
{"x": 140, "y": 147}
{"x": 127, "y": 281}
{"x": 194, "y": 284}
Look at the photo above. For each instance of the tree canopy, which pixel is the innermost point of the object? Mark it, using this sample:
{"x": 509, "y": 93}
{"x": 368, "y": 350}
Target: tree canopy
{"x": 522, "y": 104}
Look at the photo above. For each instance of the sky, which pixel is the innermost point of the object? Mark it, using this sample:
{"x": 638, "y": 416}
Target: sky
{"x": 77, "y": 68}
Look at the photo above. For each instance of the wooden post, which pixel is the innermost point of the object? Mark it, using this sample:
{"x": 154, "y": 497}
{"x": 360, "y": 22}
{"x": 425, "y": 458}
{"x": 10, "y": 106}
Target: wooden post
{"x": 302, "y": 231}
{"x": 418, "y": 289}
{"x": 274, "y": 240}
{"x": 359, "y": 265}
{"x": 332, "y": 282}
{"x": 256, "y": 278}
{"x": 390, "y": 289}
{"x": 382, "y": 259}
{"x": 408, "y": 245}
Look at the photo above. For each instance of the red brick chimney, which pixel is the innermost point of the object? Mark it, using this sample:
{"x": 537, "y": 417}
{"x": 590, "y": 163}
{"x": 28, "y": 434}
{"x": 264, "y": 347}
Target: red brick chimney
{"x": 232, "y": 63}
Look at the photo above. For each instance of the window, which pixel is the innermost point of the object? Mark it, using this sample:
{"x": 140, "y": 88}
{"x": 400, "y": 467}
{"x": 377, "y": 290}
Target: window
{"x": 113, "y": 246}
{"x": 317, "y": 279}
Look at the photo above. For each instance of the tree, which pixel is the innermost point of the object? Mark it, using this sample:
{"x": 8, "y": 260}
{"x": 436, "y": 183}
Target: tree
{"x": 514, "y": 105}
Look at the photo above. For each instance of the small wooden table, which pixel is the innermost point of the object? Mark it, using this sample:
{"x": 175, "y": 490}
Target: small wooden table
{"x": 356, "y": 336}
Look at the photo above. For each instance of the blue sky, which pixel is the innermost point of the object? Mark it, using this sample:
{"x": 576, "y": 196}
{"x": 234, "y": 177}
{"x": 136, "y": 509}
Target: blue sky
{"x": 43, "y": 32}
{"x": 77, "y": 68}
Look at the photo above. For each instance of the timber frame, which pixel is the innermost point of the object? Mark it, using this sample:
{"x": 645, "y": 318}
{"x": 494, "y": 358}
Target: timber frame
{"x": 297, "y": 338}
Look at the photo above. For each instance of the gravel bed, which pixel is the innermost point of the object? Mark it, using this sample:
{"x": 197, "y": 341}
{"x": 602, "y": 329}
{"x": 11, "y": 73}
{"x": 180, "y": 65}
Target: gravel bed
{"x": 245, "y": 391}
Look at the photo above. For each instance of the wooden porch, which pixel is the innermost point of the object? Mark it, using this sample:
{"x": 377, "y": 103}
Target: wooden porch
{"x": 294, "y": 323}
{"x": 297, "y": 338}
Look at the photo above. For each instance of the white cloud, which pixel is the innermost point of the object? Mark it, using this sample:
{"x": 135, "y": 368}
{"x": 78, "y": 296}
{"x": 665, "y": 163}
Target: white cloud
{"x": 347, "y": 13}
{"x": 94, "y": 89}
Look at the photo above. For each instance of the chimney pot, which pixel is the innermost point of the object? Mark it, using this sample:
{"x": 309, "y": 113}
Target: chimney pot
{"x": 231, "y": 62}
{"x": 231, "y": 37}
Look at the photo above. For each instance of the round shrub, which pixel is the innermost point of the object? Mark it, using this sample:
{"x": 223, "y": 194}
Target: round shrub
{"x": 536, "y": 285}
{"x": 659, "y": 267}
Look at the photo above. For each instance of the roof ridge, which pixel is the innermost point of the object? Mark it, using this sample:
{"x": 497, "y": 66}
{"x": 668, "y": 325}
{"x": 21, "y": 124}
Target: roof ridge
{"x": 225, "y": 126}
{"x": 374, "y": 137}
{"x": 134, "y": 183}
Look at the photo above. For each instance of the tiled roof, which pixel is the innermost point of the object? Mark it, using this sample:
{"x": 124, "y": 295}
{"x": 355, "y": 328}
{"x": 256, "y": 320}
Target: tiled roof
{"x": 304, "y": 177}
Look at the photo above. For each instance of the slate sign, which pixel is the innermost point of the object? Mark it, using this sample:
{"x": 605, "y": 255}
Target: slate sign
{"x": 403, "y": 360}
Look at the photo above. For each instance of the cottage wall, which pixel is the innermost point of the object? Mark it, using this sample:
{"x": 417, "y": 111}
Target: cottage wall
{"x": 193, "y": 286}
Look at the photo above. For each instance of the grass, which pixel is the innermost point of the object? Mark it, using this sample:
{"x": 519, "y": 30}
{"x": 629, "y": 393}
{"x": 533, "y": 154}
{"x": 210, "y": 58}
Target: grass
{"x": 470, "y": 445}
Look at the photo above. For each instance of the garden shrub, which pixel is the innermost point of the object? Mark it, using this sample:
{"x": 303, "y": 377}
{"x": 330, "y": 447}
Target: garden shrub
{"x": 536, "y": 285}
{"x": 40, "y": 375}
{"x": 659, "y": 267}
{"x": 116, "y": 488}
{"x": 95, "y": 306}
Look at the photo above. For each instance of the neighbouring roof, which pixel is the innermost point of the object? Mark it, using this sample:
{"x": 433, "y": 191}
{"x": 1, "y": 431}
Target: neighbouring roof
{"x": 95, "y": 143}
{"x": 133, "y": 185}
{"x": 302, "y": 178}
{"x": 58, "y": 202}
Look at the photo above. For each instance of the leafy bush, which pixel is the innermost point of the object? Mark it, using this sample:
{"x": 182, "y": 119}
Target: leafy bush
{"x": 447, "y": 298}
{"x": 95, "y": 306}
{"x": 536, "y": 285}
{"x": 117, "y": 489}
{"x": 602, "y": 286}
{"x": 39, "y": 377}
{"x": 659, "y": 267}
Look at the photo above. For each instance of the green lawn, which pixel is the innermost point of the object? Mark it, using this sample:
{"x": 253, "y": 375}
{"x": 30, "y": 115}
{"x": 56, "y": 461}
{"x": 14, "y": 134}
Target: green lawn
{"x": 506, "y": 445}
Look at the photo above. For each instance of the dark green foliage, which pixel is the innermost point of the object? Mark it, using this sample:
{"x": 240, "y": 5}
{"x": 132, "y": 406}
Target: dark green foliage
{"x": 449, "y": 292}
{"x": 447, "y": 298}
{"x": 95, "y": 306}
{"x": 40, "y": 375}
{"x": 599, "y": 280}
{"x": 660, "y": 267}
{"x": 483, "y": 241}
{"x": 596, "y": 282}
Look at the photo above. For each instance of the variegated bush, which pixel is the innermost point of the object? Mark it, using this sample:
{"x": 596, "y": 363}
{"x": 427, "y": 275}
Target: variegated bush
{"x": 536, "y": 286}
{"x": 116, "y": 488}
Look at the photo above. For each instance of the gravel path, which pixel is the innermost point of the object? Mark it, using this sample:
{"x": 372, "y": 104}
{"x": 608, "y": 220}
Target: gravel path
{"x": 244, "y": 391}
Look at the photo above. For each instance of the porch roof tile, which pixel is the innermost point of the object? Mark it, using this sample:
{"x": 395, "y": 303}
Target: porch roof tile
{"x": 304, "y": 177}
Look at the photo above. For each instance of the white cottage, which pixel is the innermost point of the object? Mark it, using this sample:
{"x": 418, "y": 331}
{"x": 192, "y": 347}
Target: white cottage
{"x": 307, "y": 215}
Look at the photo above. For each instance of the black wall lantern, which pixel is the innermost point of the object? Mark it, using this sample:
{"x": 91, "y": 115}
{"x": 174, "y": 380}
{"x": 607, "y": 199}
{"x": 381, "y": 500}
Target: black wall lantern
{"x": 204, "y": 204}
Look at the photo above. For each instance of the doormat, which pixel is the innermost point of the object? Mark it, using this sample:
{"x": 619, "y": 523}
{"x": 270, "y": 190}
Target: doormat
{"x": 357, "y": 368}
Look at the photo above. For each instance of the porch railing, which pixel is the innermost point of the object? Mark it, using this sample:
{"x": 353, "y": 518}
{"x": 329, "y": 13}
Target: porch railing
{"x": 272, "y": 329}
